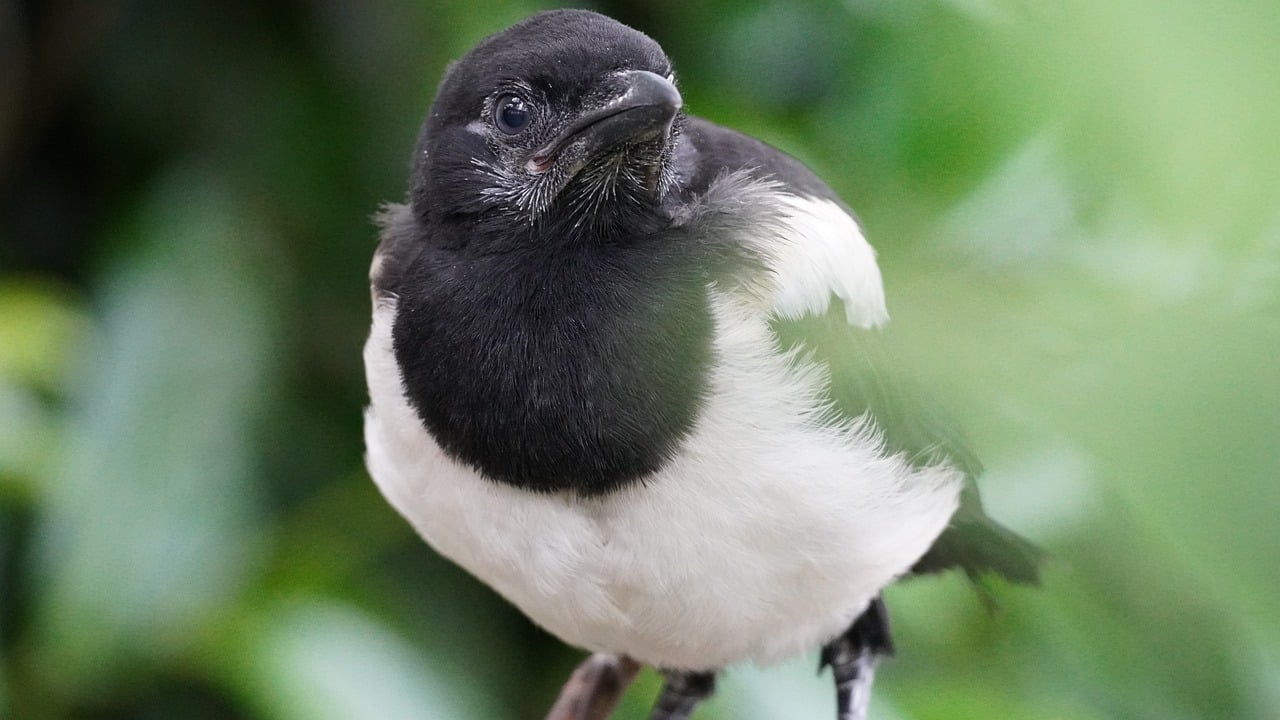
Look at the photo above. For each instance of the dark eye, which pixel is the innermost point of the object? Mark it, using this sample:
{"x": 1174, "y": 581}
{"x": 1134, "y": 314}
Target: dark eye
{"x": 511, "y": 114}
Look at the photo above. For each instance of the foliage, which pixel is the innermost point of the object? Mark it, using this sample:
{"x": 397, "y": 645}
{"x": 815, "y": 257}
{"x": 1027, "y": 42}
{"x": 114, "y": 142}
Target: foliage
{"x": 1075, "y": 206}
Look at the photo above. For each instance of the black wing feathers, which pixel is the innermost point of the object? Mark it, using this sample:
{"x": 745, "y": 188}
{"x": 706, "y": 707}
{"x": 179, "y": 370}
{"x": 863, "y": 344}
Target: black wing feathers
{"x": 981, "y": 547}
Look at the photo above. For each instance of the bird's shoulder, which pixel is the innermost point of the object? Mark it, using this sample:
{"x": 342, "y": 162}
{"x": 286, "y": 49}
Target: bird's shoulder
{"x": 809, "y": 245}
{"x": 717, "y": 149}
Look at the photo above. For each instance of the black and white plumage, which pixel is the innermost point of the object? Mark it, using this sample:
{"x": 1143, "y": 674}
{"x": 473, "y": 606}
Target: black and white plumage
{"x": 621, "y": 369}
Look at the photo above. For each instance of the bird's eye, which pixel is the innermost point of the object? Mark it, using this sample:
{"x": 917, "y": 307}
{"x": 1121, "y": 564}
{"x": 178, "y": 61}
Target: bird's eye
{"x": 511, "y": 114}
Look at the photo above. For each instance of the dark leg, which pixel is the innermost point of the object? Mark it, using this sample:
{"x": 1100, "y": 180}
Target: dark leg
{"x": 853, "y": 657}
{"x": 681, "y": 693}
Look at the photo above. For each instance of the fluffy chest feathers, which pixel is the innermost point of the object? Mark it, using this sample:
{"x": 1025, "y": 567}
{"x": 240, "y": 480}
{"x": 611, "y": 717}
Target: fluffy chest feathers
{"x": 763, "y": 526}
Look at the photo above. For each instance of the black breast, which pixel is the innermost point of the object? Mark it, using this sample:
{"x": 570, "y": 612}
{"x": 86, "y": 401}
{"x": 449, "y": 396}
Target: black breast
{"x": 581, "y": 369}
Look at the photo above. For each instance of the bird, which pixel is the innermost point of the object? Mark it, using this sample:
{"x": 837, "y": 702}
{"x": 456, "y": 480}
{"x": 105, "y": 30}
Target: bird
{"x": 624, "y": 367}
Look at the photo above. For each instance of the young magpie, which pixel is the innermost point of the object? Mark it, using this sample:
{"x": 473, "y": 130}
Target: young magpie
{"x": 622, "y": 369}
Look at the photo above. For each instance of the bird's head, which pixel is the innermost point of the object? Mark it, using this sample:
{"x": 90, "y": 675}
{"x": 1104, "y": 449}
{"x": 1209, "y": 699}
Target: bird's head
{"x": 567, "y": 118}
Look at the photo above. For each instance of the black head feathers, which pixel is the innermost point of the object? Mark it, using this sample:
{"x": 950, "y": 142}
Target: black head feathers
{"x": 560, "y": 52}
{"x": 567, "y": 107}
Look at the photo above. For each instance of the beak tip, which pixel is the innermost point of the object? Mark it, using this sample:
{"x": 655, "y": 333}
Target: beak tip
{"x": 650, "y": 88}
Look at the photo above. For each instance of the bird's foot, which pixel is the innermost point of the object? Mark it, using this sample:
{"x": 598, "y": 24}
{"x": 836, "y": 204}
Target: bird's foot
{"x": 681, "y": 693}
{"x": 853, "y": 658}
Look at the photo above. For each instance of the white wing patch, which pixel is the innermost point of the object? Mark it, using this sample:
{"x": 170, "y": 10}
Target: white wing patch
{"x": 821, "y": 251}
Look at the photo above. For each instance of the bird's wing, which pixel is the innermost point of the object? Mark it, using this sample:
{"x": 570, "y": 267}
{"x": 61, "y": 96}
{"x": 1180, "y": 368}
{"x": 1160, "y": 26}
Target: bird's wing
{"x": 863, "y": 380}
{"x": 825, "y": 303}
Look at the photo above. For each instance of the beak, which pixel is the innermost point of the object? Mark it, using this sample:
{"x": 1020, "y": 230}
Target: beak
{"x": 643, "y": 110}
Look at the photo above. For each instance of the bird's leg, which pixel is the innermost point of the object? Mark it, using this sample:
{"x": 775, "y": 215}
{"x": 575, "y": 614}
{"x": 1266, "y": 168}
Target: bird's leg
{"x": 681, "y": 693}
{"x": 595, "y": 688}
{"x": 853, "y": 657}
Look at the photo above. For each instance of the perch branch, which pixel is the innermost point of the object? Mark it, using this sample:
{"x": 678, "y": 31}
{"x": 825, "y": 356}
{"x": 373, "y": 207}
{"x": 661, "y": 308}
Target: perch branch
{"x": 595, "y": 687}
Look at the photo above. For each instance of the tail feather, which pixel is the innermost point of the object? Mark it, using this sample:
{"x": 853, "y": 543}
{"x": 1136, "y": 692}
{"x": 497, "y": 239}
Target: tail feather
{"x": 983, "y": 548}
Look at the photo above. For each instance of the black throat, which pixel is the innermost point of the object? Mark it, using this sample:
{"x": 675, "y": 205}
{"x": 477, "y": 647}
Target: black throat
{"x": 553, "y": 362}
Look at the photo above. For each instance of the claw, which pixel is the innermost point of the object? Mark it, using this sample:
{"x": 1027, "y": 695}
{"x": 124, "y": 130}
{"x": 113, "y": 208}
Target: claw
{"x": 681, "y": 693}
{"x": 853, "y": 658}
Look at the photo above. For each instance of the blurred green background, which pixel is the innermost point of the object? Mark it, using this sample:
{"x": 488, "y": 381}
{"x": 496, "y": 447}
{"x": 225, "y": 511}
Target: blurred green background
{"x": 1077, "y": 208}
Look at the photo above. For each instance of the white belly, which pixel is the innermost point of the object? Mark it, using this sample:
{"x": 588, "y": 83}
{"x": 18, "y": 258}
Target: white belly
{"x": 764, "y": 539}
